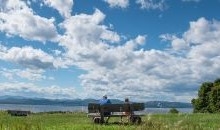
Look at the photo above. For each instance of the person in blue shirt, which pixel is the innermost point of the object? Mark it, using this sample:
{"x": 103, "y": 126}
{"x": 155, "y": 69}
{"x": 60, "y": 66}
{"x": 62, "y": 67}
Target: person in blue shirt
{"x": 104, "y": 101}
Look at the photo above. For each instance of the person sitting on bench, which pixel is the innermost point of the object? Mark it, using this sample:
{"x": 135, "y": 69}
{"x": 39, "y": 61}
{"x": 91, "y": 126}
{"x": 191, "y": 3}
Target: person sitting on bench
{"x": 128, "y": 112}
{"x": 104, "y": 101}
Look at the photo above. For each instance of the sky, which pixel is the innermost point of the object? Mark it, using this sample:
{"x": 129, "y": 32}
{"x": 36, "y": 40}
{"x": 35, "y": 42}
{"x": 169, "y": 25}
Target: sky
{"x": 139, "y": 49}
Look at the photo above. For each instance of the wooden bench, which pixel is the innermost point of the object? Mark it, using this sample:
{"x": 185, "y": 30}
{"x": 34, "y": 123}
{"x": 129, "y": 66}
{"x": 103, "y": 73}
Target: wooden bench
{"x": 97, "y": 111}
{"x": 18, "y": 113}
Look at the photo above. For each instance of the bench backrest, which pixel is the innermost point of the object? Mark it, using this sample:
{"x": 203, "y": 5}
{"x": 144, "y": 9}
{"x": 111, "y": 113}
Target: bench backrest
{"x": 94, "y": 108}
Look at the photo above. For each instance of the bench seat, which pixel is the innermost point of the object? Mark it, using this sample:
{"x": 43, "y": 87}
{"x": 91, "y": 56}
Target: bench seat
{"x": 112, "y": 115}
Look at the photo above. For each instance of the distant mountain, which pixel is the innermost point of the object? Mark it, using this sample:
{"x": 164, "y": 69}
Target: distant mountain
{"x": 83, "y": 102}
{"x": 42, "y": 101}
{"x": 165, "y": 104}
{"x": 7, "y": 96}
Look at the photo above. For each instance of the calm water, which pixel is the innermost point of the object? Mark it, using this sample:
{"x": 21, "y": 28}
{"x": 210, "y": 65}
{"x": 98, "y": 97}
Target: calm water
{"x": 47, "y": 108}
{"x": 166, "y": 110}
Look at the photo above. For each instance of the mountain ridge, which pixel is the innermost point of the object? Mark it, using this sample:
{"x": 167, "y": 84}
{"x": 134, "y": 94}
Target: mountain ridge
{"x": 84, "y": 102}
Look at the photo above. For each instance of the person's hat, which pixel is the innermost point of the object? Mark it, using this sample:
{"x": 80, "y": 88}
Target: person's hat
{"x": 105, "y": 96}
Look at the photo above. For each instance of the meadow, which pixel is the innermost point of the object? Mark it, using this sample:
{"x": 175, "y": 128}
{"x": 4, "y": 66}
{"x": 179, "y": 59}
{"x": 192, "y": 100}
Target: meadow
{"x": 79, "y": 121}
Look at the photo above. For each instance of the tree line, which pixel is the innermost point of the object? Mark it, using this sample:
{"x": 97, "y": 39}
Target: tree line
{"x": 208, "y": 100}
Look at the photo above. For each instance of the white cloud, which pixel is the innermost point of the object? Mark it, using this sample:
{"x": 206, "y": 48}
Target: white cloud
{"x": 85, "y": 35}
{"x": 124, "y": 68}
{"x": 140, "y": 40}
{"x": 141, "y": 75}
{"x": 16, "y": 18}
{"x": 152, "y": 4}
{"x": 202, "y": 55}
{"x": 30, "y": 74}
{"x": 85, "y": 27}
{"x": 127, "y": 71}
{"x": 30, "y": 90}
{"x": 28, "y": 57}
{"x": 63, "y": 6}
{"x": 118, "y": 3}
{"x": 176, "y": 43}
{"x": 203, "y": 31}
{"x": 34, "y": 59}
{"x": 201, "y": 39}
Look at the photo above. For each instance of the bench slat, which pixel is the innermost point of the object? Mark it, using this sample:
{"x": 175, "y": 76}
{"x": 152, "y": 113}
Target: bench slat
{"x": 138, "y": 106}
{"x": 112, "y": 115}
{"x": 94, "y": 108}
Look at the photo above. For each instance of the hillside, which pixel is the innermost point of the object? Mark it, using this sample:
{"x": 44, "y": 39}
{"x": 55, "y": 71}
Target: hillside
{"x": 84, "y": 102}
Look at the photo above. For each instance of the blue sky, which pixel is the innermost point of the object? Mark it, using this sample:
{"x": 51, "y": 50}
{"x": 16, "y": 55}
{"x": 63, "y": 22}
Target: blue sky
{"x": 140, "y": 49}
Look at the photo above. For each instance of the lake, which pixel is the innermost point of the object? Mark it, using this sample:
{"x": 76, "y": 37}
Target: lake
{"x": 48, "y": 108}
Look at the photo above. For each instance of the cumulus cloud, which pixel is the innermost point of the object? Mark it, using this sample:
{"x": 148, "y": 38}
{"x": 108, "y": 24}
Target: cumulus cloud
{"x": 34, "y": 59}
{"x": 202, "y": 31}
{"x": 28, "y": 57}
{"x": 16, "y": 18}
{"x": 118, "y": 3}
{"x": 30, "y": 74}
{"x": 202, "y": 55}
{"x": 125, "y": 68}
{"x": 85, "y": 28}
{"x": 152, "y": 4}
{"x": 177, "y": 44}
{"x": 63, "y": 6}
{"x": 31, "y": 90}
{"x": 155, "y": 74}
{"x": 85, "y": 35}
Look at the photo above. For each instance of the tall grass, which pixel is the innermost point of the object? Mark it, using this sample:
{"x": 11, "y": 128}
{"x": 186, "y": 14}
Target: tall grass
{"x": 79, "y": 121}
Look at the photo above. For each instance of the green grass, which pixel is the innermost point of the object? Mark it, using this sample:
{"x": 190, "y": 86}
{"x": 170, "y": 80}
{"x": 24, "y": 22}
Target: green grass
{"x": 79, "y": 121}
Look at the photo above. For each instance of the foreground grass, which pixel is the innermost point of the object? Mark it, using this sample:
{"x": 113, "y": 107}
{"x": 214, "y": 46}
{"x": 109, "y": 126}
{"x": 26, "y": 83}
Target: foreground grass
{"x": 79, "y": 121}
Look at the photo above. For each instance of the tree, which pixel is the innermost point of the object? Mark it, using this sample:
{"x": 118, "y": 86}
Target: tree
{"x": 173, "y": 111}
{"x": 208, "y": 100}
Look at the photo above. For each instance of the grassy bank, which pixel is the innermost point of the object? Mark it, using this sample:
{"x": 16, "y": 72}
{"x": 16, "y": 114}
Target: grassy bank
{"x": 79, "y": 121}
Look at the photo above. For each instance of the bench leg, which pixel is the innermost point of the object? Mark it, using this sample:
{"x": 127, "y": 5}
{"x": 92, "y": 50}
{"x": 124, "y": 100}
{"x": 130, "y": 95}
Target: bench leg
{"x": 135, "y": 119}
{"x": 107, "y": 118}
{"x": 127, "y": 119}
{"x": 97, "y": 120}
{"x": 138, "y": 120}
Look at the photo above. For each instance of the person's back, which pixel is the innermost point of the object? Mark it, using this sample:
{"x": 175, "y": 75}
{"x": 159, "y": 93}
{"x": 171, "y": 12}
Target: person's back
{"x": 127, "y": 104}
{"x": 104, "y": 101}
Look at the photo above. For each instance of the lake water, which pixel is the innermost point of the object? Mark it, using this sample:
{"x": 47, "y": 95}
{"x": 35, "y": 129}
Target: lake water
{"x": 48, "y": 108}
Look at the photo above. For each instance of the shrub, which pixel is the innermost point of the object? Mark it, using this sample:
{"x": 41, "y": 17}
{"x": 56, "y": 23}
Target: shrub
{"x": 173, "y": 110}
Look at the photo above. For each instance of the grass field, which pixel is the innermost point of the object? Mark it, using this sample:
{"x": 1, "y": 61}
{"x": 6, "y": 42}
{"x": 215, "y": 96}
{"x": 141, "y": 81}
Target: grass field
{"x": 79, "y": 121}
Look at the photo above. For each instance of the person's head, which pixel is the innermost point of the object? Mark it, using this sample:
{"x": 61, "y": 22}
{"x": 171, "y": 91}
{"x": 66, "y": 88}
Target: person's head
{"x": 126, "y": 100}
{"x": 105, "y": 97}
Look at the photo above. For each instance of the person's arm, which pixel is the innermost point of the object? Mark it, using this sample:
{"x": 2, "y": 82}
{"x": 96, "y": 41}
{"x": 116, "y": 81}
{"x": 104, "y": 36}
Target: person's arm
{"x": 100, "y": 101}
